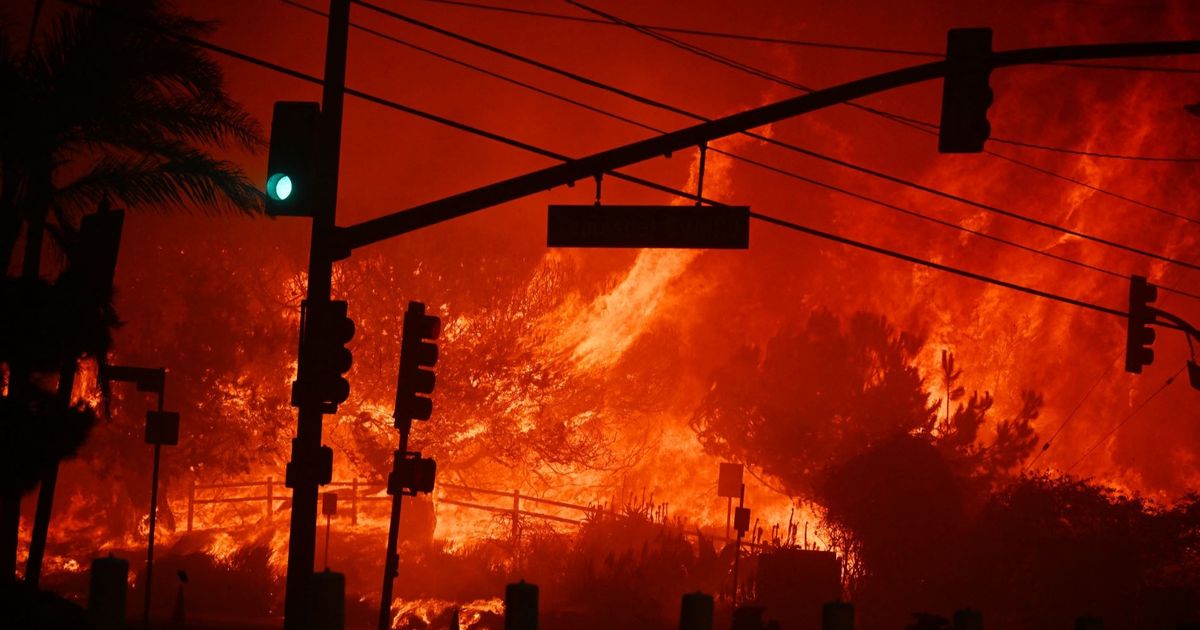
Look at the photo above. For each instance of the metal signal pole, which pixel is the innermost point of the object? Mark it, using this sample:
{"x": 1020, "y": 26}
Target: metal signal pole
{"x": 153, "y": 523}
{"x": 306, "y": 445}
{"x": 391, "y": 563}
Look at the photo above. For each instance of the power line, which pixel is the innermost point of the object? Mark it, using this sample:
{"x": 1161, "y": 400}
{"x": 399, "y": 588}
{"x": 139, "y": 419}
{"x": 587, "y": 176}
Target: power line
{"x": 912, "y": 122}
{"x": 943, "y": 223}
{"x": 691, "y": 31}
{"x": 476, "y": 68}
{"x": 939, "y": 266}
{"x": 763, "y": 74}
{"x": 497, "y": 137}
{"x": 1099, "y": 154}
{"x": 768, "y": 167}
{"x": 441, "y": 120}
{"x": 1001, "y": 211}
{"x": 783, "y": 40}
{"x": 1125, "y": 67}
{"x": 1092, "y": 187}
{"x": 1127, "y": 418}
{"x": 932, "y": 130}
{"x": 1049, "y": 440}
{"x": 862, "y": 169}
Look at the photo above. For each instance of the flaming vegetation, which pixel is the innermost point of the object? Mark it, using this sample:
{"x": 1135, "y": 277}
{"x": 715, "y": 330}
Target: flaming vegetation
{"x": 581, "y": 377}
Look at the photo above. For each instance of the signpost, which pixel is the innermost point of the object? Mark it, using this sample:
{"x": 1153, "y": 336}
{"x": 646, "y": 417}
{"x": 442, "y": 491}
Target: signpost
{"x": 729, "y": 485}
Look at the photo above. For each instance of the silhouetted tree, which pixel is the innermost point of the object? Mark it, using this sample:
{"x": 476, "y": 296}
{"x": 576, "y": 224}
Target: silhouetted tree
{"x": 814, "y": 397}
{"x": 106, "y": 106}
{"x": 839, "y": 415}
{"x": 1047, "y": 549}
{"x": 97, "y": 109}
{"x": 898, "y": 509}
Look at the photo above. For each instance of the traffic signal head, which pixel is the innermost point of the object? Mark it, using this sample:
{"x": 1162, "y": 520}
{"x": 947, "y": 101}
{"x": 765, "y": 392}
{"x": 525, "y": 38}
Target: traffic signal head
{"x": 966, "y": 91}
{"x": 1139, "y": 336}
{"x": 324, "y": 357}
{"x": 292, "y": 157}
{"x": 95, "y": 257}
{"x": 418, "y": 356}
{"x": 411, "y": 474}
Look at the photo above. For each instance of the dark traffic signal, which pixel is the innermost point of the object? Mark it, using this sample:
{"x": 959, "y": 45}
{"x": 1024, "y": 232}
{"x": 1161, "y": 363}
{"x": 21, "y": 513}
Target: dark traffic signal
{"x": 309, "y": 467}
{"x": 966, "y": 92}
{"x": 291, "y": 162}
{"x": 1139, "y": 336}
{"x": 411, "y": 474}
{"x": 95, "y": 257}
{"x": 325, "y": 330}
{"x": 418, "y": 356}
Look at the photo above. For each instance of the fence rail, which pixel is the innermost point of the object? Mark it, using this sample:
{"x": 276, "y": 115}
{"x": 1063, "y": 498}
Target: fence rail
{"x": 361, "y": 492}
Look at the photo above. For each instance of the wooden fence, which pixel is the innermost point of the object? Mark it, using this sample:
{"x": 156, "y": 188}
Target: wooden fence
{"x": 271, "y": 493}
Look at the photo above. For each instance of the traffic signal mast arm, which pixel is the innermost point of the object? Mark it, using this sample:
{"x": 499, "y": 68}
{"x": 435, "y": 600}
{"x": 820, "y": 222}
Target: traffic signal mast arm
{"x": 397, "y": 223}
{"x": 1176, "y": 322}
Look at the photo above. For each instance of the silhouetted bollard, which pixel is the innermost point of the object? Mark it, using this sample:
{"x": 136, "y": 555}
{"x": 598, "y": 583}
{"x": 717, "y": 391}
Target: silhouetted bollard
{"x": 837, "y": 616}
{"x": 106, "y": 593}
{"x": 328, "y": 601}
{"x": 696, "y": 612}
{"x": 1088, "y": 623}
{"x": 521, "y": 606}
{"x": 968, "y": 620}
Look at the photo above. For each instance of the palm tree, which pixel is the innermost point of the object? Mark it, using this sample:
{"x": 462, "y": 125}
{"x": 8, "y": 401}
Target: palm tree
{"x": 109, "y": 104}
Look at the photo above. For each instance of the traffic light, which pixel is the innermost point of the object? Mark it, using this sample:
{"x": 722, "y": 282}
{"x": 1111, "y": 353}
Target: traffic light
{"x": 966, "y": 92}
{"x": 309, "y": 467}
{"x": 324, "y": 358}
{"x": 291, "y": 162}
{"x": 418, "y": 355}
{"x": 95, "y": 256}
{"x": 1139, "y": 336}
{"x": 411, "y": 474}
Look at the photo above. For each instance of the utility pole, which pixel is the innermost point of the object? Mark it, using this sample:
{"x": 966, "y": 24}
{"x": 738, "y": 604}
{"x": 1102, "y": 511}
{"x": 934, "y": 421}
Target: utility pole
{"x": 391, "y": 562}
{"x": 411, "y": 473}
{"x": 741, "y": 523}
{"x": 162, "y": 427}
{"x": 306, "y": 446}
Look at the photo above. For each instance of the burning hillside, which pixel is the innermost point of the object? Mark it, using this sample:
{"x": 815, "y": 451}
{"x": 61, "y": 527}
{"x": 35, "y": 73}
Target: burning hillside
{"x": 939, "y": 434}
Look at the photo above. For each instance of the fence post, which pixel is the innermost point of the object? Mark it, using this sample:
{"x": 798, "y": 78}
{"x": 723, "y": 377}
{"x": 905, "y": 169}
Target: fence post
{"x": 354, "y": 501}
{"x": 270, "y": 500}
{"x": 191, "y": 503}
{"x": 516, "y": 516}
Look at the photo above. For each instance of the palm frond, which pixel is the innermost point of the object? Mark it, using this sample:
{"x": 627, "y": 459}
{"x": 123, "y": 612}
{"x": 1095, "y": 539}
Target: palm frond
{"x": 185, "y": 180}
{"x": 214, "y": 121}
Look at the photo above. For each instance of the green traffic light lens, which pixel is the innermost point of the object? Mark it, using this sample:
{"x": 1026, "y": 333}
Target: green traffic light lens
{"x": 279, "y": 187}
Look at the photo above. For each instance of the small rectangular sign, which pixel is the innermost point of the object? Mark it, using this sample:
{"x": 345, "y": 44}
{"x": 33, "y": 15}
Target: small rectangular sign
{"x": 729, "y": 481}
{"x": 741, "y": 519}
{"x": 666, "y": 227}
